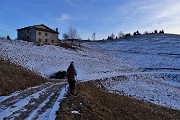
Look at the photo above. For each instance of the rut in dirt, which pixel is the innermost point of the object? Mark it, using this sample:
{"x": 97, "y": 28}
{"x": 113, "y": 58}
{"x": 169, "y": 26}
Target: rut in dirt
{"x": 33, "y": 103}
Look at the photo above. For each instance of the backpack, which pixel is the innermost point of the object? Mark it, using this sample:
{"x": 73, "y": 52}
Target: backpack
{"x": 71, "y": 72}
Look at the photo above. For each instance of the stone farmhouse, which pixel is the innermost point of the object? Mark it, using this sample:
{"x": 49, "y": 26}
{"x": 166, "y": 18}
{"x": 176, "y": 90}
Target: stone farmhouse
{"x": 38, "y": 34}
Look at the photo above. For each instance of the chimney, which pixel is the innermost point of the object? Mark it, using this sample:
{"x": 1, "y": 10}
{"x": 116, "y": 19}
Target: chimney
{"x": 56, "y": 29}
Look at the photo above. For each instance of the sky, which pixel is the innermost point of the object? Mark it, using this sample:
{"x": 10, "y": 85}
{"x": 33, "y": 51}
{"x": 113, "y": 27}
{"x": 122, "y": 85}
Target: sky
{"x": 103, "y": 17}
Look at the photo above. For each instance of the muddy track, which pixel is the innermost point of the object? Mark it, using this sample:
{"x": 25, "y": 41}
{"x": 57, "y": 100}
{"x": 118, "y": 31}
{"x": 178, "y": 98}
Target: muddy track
{"x": 32, "y": 102}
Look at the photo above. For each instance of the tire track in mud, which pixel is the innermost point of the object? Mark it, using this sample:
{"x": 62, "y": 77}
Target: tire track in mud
{"x": 23, "y": 94}
{"x": 37, "y": 99}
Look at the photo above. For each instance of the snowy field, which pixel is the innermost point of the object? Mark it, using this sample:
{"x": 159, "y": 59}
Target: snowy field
{"x": 143, "y": 67}
{"x": 153, "y": 68}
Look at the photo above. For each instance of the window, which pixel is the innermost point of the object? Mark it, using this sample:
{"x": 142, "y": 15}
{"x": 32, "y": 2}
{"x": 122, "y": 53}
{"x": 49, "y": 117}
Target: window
{"x": 46, "y": 40}
{"x": 39, "y": 33}
{"x": 52, "y": 41}
{"x": 39, "y": 39}
{"x": 46, "y": 34}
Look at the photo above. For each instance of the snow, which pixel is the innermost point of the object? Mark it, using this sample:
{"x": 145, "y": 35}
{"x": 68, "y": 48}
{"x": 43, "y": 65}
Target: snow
{"x": 96, "y": 60}
{"x": 143, "y": 67}
{"x": 155, "y": 88}
{"x": 31, "y": 116}
{"x": 48, "y": 59}
{"x": 75, "y": 112}
{"x": 2, "y": 98}
{"x": 52, "y": 114}
{"x": 4, "y": 112}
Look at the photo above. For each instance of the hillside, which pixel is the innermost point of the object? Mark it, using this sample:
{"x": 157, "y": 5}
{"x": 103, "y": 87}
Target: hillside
{"x": 97, "y": 104}
{"x": 99, "y": 59}
{"x": 145, "y": 67}
{"x": 14, "y": 78}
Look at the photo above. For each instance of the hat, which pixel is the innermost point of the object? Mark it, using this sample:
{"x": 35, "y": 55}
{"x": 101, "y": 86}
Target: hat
{"x": 72, "y": 63}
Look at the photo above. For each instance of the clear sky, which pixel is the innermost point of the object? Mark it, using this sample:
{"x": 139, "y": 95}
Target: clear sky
{"x": 103, "y": 17}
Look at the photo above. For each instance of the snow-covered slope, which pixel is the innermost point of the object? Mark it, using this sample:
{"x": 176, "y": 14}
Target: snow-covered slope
{"x": 155, "y": 68}
{"x": 152, "y": 52}
{"x": 48, "y": 59}
{"x": 151, "y": 64}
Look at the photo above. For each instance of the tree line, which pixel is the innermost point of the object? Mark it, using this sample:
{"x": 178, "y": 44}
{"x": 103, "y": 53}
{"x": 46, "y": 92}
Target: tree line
{"x": 136, "y": 33}
{"x": 72, "y": 34}
{"x": 8, "y": 37}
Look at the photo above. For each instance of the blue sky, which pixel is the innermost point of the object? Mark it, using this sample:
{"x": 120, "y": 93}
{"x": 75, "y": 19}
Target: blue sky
{"x": 103, "y": 17}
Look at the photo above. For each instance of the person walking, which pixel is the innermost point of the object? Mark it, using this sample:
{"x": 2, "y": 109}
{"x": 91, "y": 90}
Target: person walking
{"x": 71, "y": 73}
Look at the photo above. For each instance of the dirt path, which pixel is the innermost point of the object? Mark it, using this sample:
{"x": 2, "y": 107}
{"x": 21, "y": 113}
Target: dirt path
{"x": 40, "y": 102}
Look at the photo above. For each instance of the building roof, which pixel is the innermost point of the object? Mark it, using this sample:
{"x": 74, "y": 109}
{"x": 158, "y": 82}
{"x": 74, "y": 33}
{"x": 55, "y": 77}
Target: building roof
{"x": 41, "y": 29}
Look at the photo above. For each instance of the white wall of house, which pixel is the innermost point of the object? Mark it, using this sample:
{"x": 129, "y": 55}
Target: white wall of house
{"x": 46, "y": 37}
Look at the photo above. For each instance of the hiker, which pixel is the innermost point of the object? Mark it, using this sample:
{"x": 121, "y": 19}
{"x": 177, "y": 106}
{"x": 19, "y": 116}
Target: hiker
{"x": 71, "y": 73}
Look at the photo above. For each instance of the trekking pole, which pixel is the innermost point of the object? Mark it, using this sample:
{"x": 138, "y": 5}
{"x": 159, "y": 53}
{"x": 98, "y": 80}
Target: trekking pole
{"x": 65, "y": 87}
{"x": 77, "y": 86}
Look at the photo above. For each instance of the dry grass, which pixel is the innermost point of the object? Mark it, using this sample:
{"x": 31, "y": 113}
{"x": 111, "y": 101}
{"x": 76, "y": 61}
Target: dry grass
{"x": 13, "y": 78}
{"x": 97, "y": 104}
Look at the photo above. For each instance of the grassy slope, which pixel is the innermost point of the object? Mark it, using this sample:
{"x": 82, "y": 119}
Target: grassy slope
{"x": 13, "y": 78}
{"x": 97, "y": 104}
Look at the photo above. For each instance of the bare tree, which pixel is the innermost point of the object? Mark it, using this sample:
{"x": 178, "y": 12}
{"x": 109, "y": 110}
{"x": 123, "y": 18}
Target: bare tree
{"x": 73, "y": 34}
{"x": 120, "y": 34}
{"x": 112, "y": 36}
{"x": 94, "y": 36}
{"x": 65, "y": 36}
